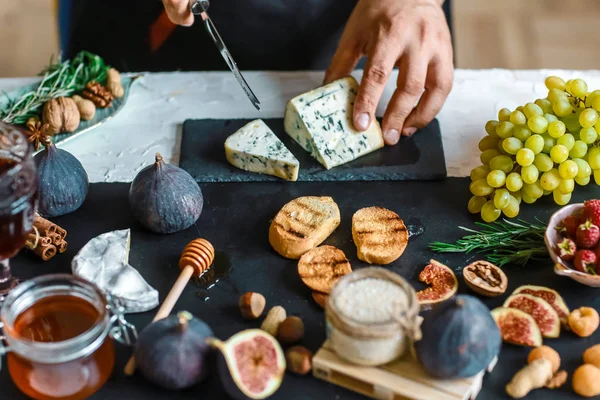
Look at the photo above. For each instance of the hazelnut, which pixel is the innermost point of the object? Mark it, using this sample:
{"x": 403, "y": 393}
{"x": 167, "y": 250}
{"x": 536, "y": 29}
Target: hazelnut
{"x": 274, "y": 318}
{"x": 291, "y": 330}
{"x": 252, "y": 305}
{"x": 584, "y": 321}
{"x": 298, "y": 360}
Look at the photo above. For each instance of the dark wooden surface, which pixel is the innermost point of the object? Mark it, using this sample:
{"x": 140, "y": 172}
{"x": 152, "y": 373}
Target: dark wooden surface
{"x": 420, "y": 157}
{"x": 236, "y": 219}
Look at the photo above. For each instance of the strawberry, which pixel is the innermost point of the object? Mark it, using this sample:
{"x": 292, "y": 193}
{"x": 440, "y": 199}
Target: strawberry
{"x": 591, "y": 211}
{"x": 566, "y": 249}
{"x": 587, "y": 235}
{"x": 584, "y": 260}
{"x": 571, "y": 223}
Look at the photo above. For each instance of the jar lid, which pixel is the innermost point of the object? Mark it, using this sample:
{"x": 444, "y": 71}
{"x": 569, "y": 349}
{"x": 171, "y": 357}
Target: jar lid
{"x": 374, "y": 302}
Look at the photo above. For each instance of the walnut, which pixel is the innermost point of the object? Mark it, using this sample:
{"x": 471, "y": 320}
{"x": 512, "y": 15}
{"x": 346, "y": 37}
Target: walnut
{"x": 61, "y": 115}
{"x": 485, "y": 278}
{"x": 98, "y": 94}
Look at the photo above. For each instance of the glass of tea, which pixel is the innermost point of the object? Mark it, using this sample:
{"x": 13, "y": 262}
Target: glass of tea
{"x": 18, "y": 198}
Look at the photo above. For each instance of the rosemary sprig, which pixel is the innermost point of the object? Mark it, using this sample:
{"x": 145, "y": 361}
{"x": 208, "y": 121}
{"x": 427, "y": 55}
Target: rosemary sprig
{"x": 58, "y": 79}
{"x": 505, "y": 242}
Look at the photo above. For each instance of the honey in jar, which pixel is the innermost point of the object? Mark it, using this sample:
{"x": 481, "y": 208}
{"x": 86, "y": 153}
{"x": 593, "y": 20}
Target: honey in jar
{"x": 56, "y": 328}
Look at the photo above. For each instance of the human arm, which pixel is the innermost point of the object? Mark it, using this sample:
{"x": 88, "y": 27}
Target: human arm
{"x": 412, "y": 35}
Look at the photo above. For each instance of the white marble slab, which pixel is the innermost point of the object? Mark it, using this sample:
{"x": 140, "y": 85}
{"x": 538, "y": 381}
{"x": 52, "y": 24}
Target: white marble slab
{"x": 160, "y": 102}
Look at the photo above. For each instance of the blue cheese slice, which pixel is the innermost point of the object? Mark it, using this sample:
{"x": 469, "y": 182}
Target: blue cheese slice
{"x": 321, "y": 122}
{"x": 255, "y": 148}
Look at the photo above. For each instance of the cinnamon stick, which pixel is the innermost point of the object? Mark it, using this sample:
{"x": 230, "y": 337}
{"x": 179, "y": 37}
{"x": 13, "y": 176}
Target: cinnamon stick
{"x": 48, "y": 228}
{"x": 62, "y": 246}
{"x": 45, "y": 252}
{"x": 42, "y": 241}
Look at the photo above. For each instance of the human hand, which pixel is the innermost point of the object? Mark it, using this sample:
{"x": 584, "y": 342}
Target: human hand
{"x": 410, "y": 34}
{"x": 179, "y": 12}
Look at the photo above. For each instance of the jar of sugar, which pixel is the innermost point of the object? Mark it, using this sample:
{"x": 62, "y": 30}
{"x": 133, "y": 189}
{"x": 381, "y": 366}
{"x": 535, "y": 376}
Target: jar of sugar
{"x": 372, "y": 316}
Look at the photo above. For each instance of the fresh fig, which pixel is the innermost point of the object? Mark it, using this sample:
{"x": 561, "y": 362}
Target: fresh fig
{"x": 442, "y": 281}
{"x": 459, "y": 338}
{"x": 165, "y": 198}
{"x": 63, "y": 182}
{"x": 172, "y": 352}
{"x": 251, "y": 364}
{"x": 542, "y": 312}
{"x": 517, "y": 327}
{"x": 551, "y": 296}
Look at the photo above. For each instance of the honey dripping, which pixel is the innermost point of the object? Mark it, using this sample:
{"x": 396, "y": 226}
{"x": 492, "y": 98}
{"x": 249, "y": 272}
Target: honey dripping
{"x": 55, "y": 319}
{"x": 220, "y": 270}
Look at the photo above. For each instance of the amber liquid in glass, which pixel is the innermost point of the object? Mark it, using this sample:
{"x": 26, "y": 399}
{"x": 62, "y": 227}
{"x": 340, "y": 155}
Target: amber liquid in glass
{"x": 14, "y": 222}
{"x": 56, "y": 319}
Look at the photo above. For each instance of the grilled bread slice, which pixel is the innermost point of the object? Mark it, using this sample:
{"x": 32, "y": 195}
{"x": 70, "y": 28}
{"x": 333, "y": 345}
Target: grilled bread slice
{"x": 321, "y": 267}
{"x": 379, "y": 234}
{"x": 303, "y": 224}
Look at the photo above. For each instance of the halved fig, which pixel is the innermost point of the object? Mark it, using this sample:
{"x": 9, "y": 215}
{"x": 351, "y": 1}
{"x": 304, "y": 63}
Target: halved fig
{"x": 551, "y": 296}
{"x": 251, "y": 364}
{"x": 442, "y": 281}
{"x": 517, "y": 327}
{"x": 542, "y": 312}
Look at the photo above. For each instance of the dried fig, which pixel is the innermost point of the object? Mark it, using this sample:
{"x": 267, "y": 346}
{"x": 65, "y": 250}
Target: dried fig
{"x": 584, "y": 321}
{"x": 485, "y": 278}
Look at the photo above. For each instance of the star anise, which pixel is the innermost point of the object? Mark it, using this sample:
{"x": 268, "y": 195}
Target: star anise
{"x": 38, "y": 132}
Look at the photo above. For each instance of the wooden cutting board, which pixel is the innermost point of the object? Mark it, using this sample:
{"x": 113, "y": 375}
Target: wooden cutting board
{"x": 401, "y": 379}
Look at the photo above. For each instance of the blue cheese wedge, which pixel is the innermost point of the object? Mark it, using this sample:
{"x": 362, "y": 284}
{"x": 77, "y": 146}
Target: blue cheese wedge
{"x": 255, "y": 148}
{"x": 321, "y": 122}
{"x": 104, "y": 262}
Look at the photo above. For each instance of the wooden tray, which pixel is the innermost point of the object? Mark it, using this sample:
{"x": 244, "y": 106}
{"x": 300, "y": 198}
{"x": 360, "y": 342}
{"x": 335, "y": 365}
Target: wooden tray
{"x": 401, "y": 379}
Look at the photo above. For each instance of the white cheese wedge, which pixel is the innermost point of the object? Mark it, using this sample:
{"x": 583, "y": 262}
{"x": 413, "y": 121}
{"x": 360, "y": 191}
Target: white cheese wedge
{"x": 104, "y": 261}
{"x": 321, "y": 122}
{"x": 255, "y": 148}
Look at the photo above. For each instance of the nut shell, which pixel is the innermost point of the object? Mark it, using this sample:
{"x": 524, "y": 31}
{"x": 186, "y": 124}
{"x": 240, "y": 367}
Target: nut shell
{"x": 485, "y": 279}
{"x": 290, "y": 330}
{"x": 61, "y": 114}
{"x": 298, "y": 360}
{"x": 252, "y": 305}
{"x": 274, "y": 318}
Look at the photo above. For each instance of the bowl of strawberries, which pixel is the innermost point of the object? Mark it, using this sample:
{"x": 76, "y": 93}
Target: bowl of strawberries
{"x": 573, "y": 241}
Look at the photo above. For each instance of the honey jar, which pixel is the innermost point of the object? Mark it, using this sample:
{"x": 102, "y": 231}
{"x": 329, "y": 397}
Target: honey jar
{"x": 372, "y": 315}
{"x": 59, "y": 331}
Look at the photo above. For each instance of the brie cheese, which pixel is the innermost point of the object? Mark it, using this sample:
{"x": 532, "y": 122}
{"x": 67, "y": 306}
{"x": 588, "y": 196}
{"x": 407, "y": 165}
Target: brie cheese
{"x": 321, "y": 122}
{"x": 104, "y": 262}
{"x": 254, "y": 147}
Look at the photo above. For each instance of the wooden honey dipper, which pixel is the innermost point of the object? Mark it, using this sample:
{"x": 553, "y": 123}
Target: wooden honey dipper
{"x": 196, "y": 258}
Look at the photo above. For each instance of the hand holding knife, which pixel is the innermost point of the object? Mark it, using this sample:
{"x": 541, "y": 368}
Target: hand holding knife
{"x": 200, "y": 7}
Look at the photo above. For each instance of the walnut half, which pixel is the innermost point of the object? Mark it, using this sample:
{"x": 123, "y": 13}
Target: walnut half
{"x": 485, "y": 278}
{"x": 98, "y": 94}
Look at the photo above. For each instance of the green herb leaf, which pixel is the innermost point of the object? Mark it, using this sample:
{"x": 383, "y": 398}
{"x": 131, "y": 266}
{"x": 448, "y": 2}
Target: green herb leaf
{"x": 505, "y": 242}
{"x": 58, "y": 79}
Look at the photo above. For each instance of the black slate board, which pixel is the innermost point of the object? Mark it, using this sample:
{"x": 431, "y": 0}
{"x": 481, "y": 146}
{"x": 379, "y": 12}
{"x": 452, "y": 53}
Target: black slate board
{"x": 236, "y": 219}
{"x": 420, "y": 157}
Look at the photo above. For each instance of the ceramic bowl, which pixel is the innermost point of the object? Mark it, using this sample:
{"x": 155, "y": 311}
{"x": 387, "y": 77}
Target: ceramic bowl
{"x": 552, "y": 237}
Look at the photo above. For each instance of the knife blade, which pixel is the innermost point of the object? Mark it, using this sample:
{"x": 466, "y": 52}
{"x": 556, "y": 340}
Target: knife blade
{"x": 200, "y": 7}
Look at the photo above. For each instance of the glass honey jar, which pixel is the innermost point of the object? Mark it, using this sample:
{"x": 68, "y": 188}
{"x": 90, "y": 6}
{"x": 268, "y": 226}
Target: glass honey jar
{"x": 59, "y": 331}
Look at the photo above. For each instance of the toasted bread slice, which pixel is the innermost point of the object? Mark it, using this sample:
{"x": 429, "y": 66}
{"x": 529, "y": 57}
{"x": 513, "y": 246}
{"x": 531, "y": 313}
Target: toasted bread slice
{"x": 321, "y": 267}
{"x": 303, "y": 224}
{"x": 379, "y": 234}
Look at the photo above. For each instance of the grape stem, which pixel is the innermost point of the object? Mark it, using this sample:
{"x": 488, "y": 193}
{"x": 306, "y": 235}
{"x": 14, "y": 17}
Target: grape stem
{"x": 505, "y": 242}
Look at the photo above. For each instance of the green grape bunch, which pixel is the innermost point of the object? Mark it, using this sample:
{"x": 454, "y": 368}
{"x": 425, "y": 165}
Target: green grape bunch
{"x": 539, "y": 149}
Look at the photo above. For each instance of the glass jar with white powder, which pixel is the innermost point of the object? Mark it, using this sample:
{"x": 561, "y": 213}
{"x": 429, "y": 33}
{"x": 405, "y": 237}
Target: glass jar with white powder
{"x": 372, "y": 316}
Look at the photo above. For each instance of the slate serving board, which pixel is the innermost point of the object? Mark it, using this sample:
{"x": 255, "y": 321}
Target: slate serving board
{"x": 420, "y": 157}
{"x": 236, "y": 220}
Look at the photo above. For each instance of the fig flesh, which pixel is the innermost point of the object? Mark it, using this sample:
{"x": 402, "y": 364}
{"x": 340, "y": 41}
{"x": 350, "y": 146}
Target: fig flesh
{"x": 551, "y": 296}
{"x": 542, "y": 312}
{"x": 442, "y": 281}
{"x": 172, "y": 352}
{"x": 251, "y": 364}
{"x": 165, "y": 198}
{"x": 517, "y": 327}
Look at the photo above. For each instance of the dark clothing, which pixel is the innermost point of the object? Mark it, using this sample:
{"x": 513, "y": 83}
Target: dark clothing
{"x": 279, "y": 35}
